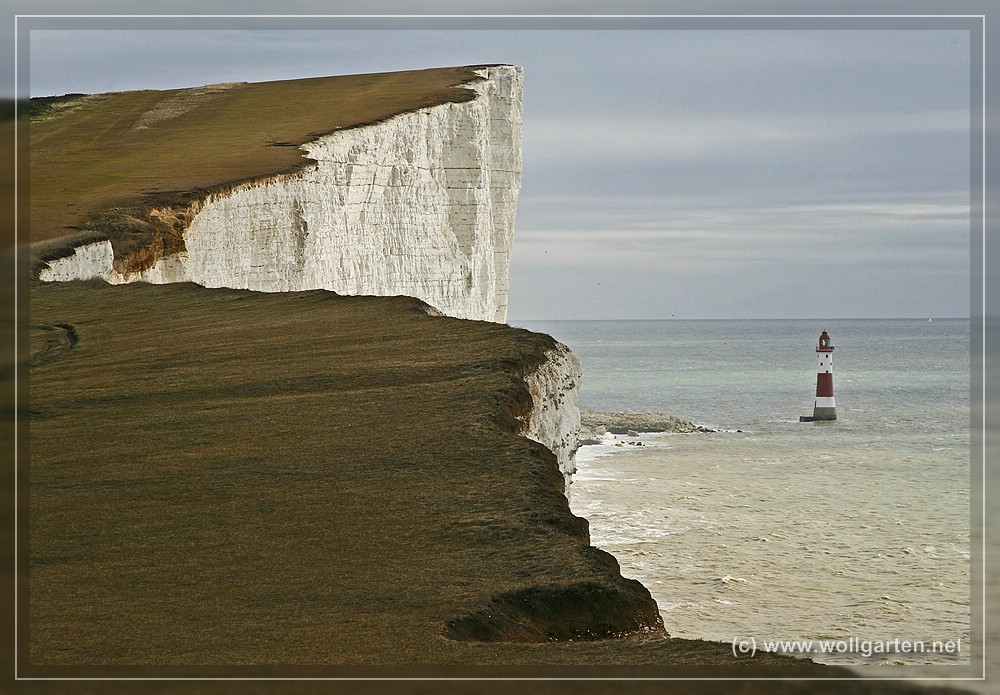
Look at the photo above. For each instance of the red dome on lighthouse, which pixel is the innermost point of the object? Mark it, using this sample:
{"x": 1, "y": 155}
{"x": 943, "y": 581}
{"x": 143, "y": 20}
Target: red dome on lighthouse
{"x": 824, "y": 343}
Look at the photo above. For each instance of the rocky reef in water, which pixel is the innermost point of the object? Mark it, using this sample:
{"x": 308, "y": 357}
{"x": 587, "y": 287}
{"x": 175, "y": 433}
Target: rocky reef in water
{"x": 594, "y": 425}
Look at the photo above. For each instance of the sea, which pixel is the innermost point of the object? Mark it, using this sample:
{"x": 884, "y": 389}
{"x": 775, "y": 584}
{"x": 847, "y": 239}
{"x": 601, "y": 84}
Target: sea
{"x": 847, "y": 541}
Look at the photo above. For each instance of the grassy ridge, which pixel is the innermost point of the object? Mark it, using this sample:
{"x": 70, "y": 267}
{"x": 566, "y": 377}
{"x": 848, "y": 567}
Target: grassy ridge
{"x": 224, "y": 477}
{"x": 221, "y": 476}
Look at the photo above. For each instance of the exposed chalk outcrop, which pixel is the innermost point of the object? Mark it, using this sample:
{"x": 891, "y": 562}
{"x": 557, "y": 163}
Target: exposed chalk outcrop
{"x": 421, "y": 204}
{"x": 90, "y": 260}
{"x": 554, "y": 420}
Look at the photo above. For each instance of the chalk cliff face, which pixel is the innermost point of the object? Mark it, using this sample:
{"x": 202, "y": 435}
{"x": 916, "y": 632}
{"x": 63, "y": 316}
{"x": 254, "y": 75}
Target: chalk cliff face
{"x": 422, "y": 204}
{"x": 554, "y": 420}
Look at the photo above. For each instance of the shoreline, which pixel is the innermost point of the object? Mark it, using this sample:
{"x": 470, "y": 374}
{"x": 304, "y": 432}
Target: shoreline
{"x": 592, "y": 458}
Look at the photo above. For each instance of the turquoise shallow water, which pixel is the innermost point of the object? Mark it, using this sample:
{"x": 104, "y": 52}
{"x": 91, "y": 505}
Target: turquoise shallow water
{"x": 773, "y": 529}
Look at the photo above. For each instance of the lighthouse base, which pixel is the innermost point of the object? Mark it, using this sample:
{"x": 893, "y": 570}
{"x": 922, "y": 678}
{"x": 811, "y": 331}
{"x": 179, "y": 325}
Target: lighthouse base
{"x": 820, "y": 414}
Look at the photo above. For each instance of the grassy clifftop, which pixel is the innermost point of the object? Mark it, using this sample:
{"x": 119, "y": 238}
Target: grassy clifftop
{"x": 100, "y": 163}
{"x": 222, "y": 476}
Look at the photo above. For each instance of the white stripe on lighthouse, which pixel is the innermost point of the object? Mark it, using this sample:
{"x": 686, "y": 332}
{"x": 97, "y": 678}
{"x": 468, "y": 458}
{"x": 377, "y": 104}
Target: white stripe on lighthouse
{"x": 825, "y": 402}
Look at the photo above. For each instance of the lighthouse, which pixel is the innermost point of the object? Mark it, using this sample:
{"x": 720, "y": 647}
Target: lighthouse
{"x": 825, "y": 408}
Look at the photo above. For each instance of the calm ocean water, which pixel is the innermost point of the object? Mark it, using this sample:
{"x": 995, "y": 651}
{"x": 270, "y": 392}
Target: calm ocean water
{"x": 779, "y": 530}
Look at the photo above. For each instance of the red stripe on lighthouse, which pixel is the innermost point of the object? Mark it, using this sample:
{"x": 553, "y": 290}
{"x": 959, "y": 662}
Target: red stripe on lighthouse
{"x": 824, "y": 385}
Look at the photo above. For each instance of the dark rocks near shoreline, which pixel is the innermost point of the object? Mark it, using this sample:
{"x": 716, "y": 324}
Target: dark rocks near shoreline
{"x": 581, "y": 611}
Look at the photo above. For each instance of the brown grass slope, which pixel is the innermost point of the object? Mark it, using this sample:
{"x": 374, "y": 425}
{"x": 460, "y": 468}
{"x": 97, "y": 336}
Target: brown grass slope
{"x": 224, "y": 477}
{"x": 99, "y": 164}
{"x": 325, "y": 486}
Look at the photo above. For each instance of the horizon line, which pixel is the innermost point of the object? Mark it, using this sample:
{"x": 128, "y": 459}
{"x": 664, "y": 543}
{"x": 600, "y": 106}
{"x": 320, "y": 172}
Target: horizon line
{"x": 773, "y": 318}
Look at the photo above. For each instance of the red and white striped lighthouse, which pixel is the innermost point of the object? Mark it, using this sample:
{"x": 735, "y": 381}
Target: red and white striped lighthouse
{"x": 825, "y": 408}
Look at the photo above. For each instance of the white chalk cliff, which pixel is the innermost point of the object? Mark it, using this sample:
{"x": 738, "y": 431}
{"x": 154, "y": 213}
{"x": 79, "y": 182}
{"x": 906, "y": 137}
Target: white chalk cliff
{"x": 421, "y": 204}
{"x": 90, "y": 260}
{"x": 554, "y": 420}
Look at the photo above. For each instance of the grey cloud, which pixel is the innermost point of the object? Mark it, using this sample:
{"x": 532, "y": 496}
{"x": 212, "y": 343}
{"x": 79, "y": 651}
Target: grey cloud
{"x": 714, "y": 135}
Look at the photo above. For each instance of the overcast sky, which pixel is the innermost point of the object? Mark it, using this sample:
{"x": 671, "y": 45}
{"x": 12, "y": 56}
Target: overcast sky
{"x": 668, "y": 172}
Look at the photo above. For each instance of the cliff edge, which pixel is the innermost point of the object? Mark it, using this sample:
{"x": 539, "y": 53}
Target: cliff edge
{"x": 418, "y": 202}
{"x": 245, "y": 477}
